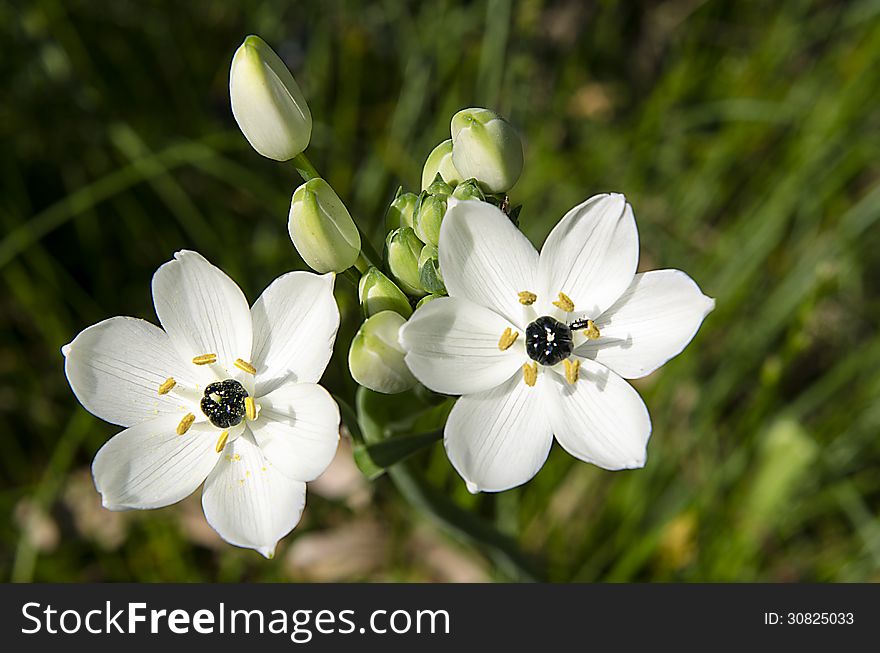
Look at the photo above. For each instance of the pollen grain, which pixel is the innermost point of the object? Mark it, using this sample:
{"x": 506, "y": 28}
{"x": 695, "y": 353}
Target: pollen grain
{"x": 243, "y": 365}
{"x": 185, "y": 423}
{"x": 592, "y": 331}
{"x": 530, "y": 374}
{"x": 527, "y": 298}
{"x": 572, "y": 370}
{"x": 564, "y": 303}
{"x": 167, "y": 385}
{"x": 507, "y": 339}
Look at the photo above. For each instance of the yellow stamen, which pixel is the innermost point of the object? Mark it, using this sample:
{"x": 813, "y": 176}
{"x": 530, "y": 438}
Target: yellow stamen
{"x": 564, "y": 303}
{"x": 205, "y": 359}
{"x": 572, "y": 370}
{"x": 507, "y": 339}
{"x": 221, "y": 441}
{"x": 166, "y": 385}
{"x": 527, "y": 298}
{"x": 530, "y": 374}
{"x": 185, "y": 423}
{"x": 592, "y": 331}
{"x": 250, "y": 408}
{"x": 244, "y": 365}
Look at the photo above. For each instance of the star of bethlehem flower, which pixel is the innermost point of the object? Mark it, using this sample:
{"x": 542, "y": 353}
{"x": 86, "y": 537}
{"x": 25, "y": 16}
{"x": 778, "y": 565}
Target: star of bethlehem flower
{"x": 538, "y": 345}
{"x": 225, "y": 395}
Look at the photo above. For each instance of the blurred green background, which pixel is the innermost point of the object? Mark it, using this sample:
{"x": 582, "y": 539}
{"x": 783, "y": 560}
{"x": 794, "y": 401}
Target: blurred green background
{"x": 745, "y": 134}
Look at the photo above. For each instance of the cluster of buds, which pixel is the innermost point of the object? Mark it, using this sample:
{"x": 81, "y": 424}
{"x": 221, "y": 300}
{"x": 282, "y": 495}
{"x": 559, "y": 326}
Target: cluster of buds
{"x": 481, "y": 161}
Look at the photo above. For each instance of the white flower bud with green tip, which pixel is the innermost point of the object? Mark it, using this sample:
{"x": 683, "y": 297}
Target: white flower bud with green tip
{"x": 400, "y": 212}
{"x": 321, "y": 228}
{"x": 429, "y": 217}
{"x": 376, "y": 357}
{"x": 429, "y": 271}
{"x": 440, "y": 161}
{"x": 404, "y": 248}
{"x": 378, "y": 293}
{"x": 469, "y": 190}
{"x": 267, "y": 103}
{"x": 486, "y": 148}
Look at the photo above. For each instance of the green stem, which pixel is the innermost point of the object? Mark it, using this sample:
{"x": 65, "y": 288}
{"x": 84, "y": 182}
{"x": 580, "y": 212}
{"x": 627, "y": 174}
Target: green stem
{"x": 352, "y": 275}
{"x": 362, "y": 264}
{"x": 304, "y": 167}
{"x": 308, "y": 172}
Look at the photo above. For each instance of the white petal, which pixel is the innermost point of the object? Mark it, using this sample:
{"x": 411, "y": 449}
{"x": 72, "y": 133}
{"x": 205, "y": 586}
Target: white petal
{"x": 295, "y": 322}
{"x": 600, "y": 419}
{"x": 202, "y": 310}
{"x": 500, "y": 438}
{"x": 591, "y": 255}
{"x": 653, "y": 321}
{"x": 485, "y": 259}
{"x": 248, "y": 501}
{"x": 298, "y": 429}
{"x": 452, "y": 347}
{"x": 115, "y": 368}
{"x": 150, "y": 466}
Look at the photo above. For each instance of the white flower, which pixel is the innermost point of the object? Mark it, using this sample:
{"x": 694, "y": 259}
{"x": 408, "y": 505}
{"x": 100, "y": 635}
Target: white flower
{"x": 226, "y": 395}
{"x": 537, "y": 344}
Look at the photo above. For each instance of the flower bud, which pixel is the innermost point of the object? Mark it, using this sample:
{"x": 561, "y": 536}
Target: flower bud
{"x": 439, "y": 187}
{"x": 267, "y": 103}
{"x": 440, "y": 161}
{"x": 321, "y": 228}
{"x": 378, "y": 293}
{"x": 400, "y": 212}
{"x": 424, "y": 300}
{"x": 486, "y": 148}
{"x": 430, "y": 214}
{"x": 469, "y": 190}
{"x": 429, "y": 271}
{"x": 404, "y": 248}
{"x": 376, "y": 357}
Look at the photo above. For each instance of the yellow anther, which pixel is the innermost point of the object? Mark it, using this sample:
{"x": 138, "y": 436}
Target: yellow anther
{"x": 250, "y": 408}
{"x": 166, "y": 386}
{"x": 564, "y": 303}
{"x": 245, "y": 366}
{"x": 572, "y": 370}
{"x": 221, "y": 441}
{"x": 205, "y": 359}
{"x": 185, "y": 423}
{"x": 530, "y": 374}
{"x": 527, "y": 298}
{"x": 507, "y": 339}
{"x": 592, "y": 331}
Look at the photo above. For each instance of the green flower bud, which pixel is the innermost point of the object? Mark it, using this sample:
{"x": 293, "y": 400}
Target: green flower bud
{"x": 376, "y": 357}
{"x": 469, "y": 190}
{"x": 401, "y": 211}
{"x": 486, "y": 148}
{"x": 429, "y": 271}
{"x": 267, "y": 103}
{"x": 404, "y": 248}
{"x": 378, "y": 293}
{"x": 321, "y": 228}
{"x": 430, "y": 214}
{"x": 440, "y": 161}
{"x": 427, "y": 298}
{"x": 439, "y": 187}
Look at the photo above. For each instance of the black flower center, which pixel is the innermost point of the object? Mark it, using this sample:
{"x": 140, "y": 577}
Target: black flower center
{"x": 223, "y": 403}
{"x": 548, "y": 341}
